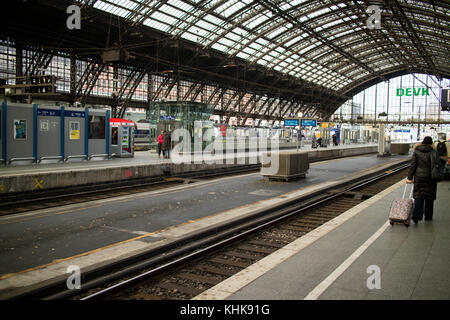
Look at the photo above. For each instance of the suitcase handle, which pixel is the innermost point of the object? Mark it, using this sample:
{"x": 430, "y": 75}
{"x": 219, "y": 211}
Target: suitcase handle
{"x": 404, "y": 191}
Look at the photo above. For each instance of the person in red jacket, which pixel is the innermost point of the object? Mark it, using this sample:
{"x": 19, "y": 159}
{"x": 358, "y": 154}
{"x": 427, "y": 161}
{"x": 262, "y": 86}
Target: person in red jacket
{"x": 160, "y": 142}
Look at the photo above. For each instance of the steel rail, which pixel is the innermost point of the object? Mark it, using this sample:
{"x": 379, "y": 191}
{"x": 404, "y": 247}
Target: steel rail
{"x": 285, "y": 213}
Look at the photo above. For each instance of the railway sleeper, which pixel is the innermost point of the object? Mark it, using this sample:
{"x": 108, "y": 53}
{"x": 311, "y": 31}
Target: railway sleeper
{"x": 312, "y": 220}
{"x": 295, "y": 228}
{"x": 194, "y": 277}
{"x": 281, "y": 240}
{"x": 238, "y": 254}
{"x": 177, "y": 288}
{"x": 268, "y": 243}
{"x": 324, "y": 214}
{"x": 214, "y": 270}
{"x": 255, "y": 249}
{"x": 232, "y": 263}
{"x": 308, "y": 226}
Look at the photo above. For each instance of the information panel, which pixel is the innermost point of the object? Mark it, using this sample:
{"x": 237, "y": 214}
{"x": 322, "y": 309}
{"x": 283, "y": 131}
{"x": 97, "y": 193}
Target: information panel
{"x": 291, "y": 122}
{"x": 308, "y": 123}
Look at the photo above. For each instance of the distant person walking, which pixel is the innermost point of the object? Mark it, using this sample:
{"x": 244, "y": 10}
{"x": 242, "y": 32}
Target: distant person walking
{"x": 167, "y": 142}
{"x": 160, "y": 143}
{"x": 424, "y": 187}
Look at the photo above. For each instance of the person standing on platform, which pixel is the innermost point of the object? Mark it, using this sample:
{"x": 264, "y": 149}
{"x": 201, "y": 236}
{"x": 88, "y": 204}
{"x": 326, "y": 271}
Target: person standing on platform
{"x": 442, "y": 147}
{"x": 166, "y": 144}
{"x": 160, "y": 143}
{"x": 335, "y": 139}
{"x": 313, "y": 141}
{"x": 424, "y": 187}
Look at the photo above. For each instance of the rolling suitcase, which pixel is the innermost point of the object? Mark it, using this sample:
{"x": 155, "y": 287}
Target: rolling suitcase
{"x": 402, "y": 209}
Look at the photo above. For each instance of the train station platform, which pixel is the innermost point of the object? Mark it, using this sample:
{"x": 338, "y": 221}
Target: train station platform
{"x": 356, "y": 256}
{"x": 38, "y": 246}
{"x": 22, "y": 178}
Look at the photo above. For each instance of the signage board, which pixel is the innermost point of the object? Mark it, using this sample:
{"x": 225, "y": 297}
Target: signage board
{"x": 308, "y": 123}
{"x": 291, "y": 122}
{"x": 49, "y": 112}
{"x": 170, "y": 118}
{"x": 412, "y": 91}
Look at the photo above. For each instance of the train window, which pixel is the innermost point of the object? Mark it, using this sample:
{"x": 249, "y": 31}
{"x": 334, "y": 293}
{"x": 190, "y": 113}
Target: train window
{"x": 114, "y": 135}
{"x": 97, "y": 127}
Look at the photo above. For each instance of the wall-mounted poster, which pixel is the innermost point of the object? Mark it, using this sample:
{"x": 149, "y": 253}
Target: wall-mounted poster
{"x": 74, "y": 128}
{"x": 20, "y": 129}
{"x": 125, "y": 138}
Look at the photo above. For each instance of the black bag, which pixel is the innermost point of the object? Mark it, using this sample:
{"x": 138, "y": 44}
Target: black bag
{"x": 437, "y": 169}
{"x": 441, "y": 149}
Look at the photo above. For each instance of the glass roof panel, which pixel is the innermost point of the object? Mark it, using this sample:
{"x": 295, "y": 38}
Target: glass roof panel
{"x": 249, "y": 30}
{"x": 257, "y": 20}
{"x": 181, "y": 5}
{"x": 156, "y": 24}
{"x": 230, "y": 7}
{"x": 163, "y": 18}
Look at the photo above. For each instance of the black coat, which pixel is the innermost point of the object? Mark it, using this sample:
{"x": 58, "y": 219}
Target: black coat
{"x": 166, "y": 141}
{"x": 420, "y": 170}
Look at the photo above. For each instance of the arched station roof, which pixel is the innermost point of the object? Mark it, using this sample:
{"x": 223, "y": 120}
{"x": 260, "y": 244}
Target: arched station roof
{"x": 318, "y": 51}
{"x": 325, "y": 42}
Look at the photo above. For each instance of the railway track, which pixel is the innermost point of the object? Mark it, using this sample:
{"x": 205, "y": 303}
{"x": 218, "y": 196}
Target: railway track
{"x": 27, "y": 201}
{"x": 208, "y": 265}
{"x": 12, "y": 204}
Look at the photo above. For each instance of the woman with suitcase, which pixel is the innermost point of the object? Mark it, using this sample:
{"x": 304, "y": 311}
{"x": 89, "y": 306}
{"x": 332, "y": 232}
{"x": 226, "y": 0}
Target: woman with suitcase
{"x": 424, "y": 186}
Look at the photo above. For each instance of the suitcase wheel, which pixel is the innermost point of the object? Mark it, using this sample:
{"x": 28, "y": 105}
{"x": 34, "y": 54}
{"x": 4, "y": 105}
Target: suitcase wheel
{"x": 392, "y": 223}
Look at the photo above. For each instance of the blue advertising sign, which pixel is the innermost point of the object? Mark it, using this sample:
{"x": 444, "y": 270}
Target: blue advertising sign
{"x": 291, "y": 122}
{"x": 404, "y": 130}
{"x": 49, "y": 113}
{"x": 309, "y": 123}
